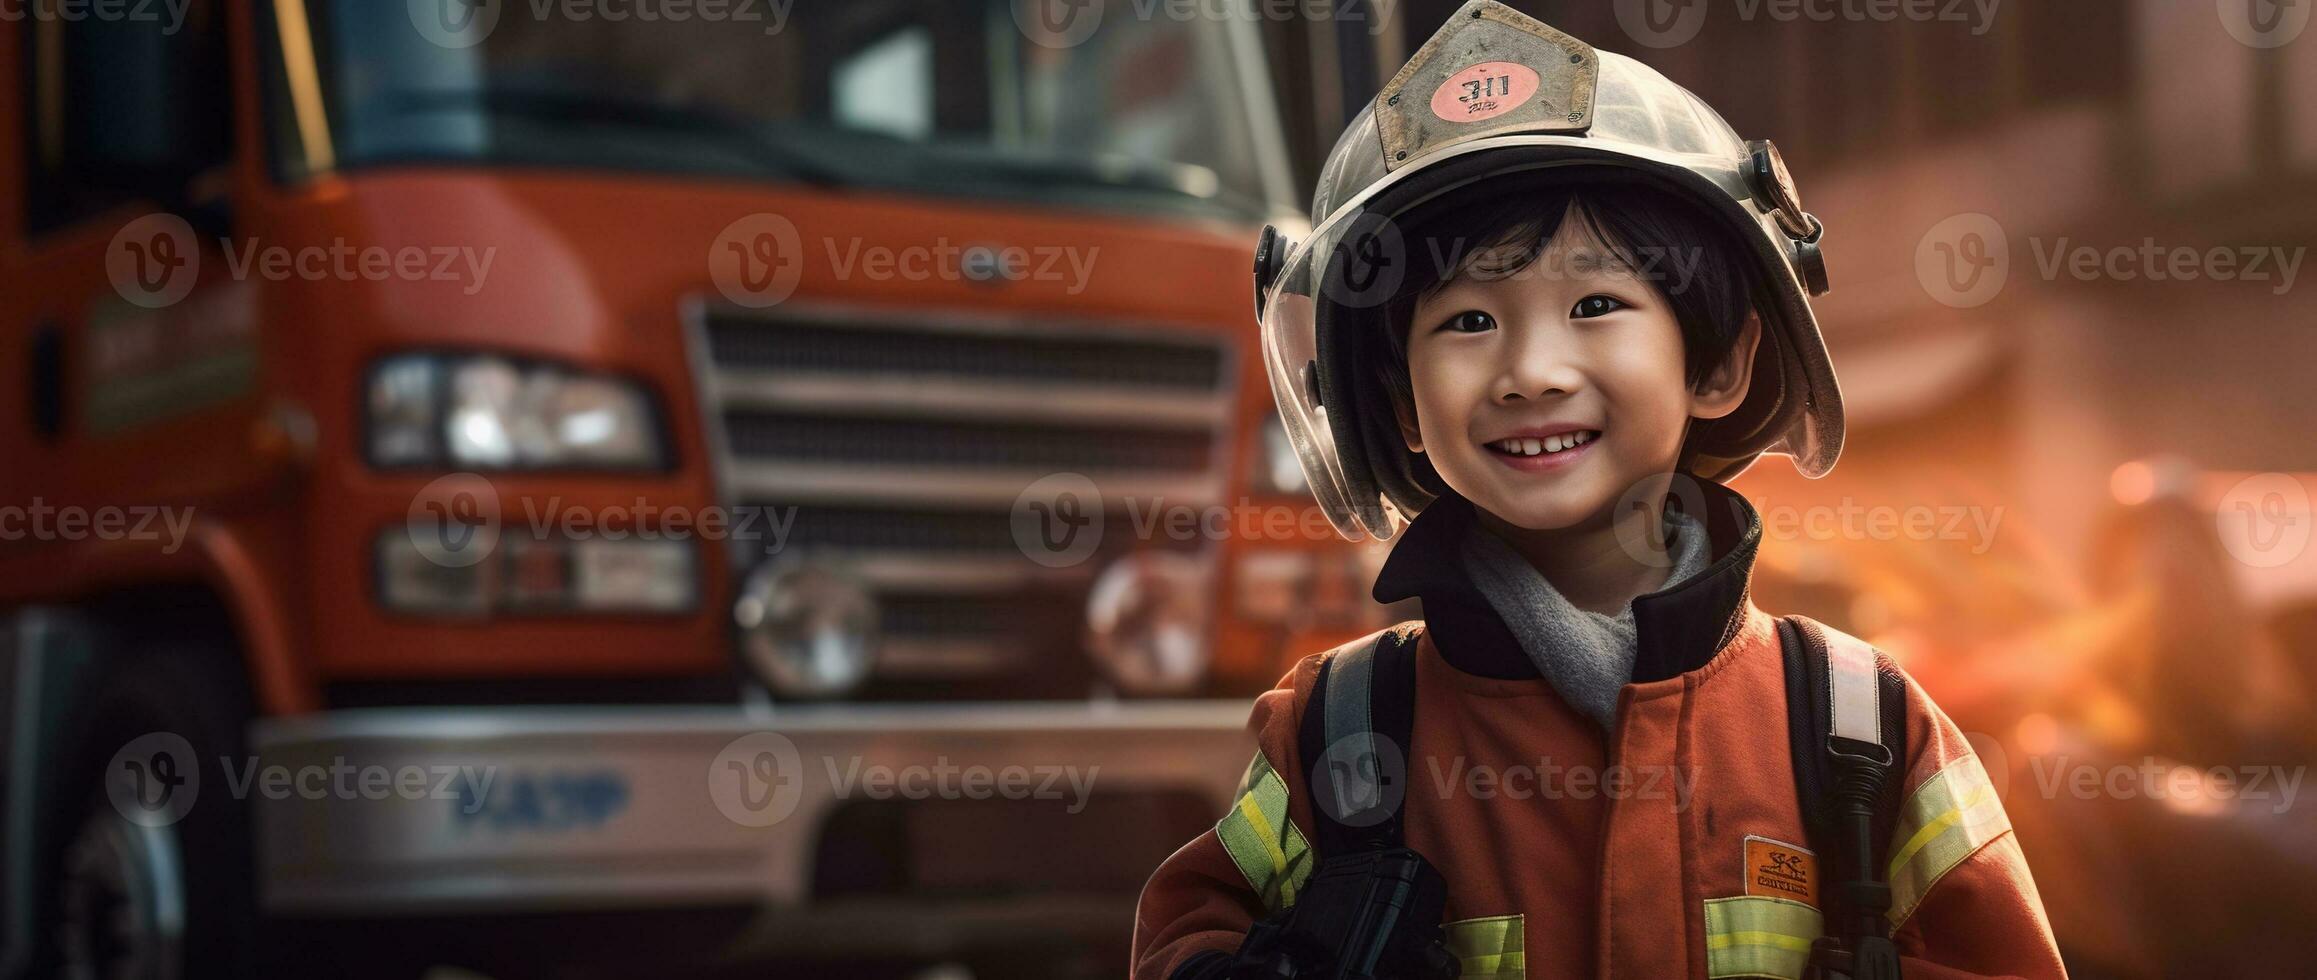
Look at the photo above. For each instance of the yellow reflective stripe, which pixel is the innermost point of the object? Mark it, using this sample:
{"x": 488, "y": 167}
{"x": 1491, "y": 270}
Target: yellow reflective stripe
{"x": 1490, "y": 948}
{"x": 1947, "y": 819}
{"x": 1758, "y": 936}
{"x": 1264, "y": 834}
{"x": 1269, "y": 851}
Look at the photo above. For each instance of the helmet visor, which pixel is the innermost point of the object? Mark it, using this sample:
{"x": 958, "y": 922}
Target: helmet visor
{"x": 1354, "y": 264}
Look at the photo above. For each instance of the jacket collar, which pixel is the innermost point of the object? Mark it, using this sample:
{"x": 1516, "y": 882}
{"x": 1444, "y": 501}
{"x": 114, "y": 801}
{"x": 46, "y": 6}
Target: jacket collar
{"x": 1679, "y": 628}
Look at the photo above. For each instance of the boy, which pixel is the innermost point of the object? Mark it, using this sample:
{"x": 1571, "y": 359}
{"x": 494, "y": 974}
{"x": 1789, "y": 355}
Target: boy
{"x": 1551, "y": 302}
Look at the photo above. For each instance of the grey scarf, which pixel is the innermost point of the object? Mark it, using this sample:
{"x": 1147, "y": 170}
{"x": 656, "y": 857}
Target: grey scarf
{"x": 1588, "y": 657}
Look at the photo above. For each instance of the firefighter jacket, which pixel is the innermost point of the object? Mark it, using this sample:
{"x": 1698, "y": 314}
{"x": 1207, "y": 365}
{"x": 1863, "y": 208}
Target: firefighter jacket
{"x": 1671, "y": 845}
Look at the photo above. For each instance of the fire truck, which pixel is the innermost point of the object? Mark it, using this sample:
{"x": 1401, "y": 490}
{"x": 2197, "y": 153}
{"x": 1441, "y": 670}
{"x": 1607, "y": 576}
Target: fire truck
{"x": 502, "y": 482}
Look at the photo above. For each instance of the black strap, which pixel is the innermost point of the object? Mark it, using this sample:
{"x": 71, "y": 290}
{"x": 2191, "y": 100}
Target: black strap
{"x": 1808, "y": 720}
{"x": 1338, "y": 773}
{"x": 1822, "y": 764}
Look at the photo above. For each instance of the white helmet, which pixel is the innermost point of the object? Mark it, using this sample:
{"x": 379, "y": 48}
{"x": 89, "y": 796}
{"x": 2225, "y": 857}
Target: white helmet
{"x": 1497, "y": 92}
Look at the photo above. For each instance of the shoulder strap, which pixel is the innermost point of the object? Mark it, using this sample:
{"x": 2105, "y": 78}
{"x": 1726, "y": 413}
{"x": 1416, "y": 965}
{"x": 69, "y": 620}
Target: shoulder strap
{"x": 1353, "y": 740}
{"x": 1843, "y": 690}
{"x": 1846, "y": 717}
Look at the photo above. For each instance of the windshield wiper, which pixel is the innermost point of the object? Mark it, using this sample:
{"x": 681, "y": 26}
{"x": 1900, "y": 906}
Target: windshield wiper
{"x": 555, "y": 105}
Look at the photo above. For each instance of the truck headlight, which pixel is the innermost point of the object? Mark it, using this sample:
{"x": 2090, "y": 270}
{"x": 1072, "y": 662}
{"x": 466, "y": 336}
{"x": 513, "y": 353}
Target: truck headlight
{"x": 806, "y": 630}
{"x": 1147, "y": 622}
{"x": 485, "y": 412}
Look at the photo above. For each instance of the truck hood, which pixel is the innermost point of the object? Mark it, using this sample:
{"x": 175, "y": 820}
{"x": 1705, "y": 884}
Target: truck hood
{"x": 593, "y": 267}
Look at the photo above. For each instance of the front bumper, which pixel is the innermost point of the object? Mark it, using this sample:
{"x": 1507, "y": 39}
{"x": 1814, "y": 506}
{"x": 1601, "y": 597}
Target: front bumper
{"x": 486, "y": 810}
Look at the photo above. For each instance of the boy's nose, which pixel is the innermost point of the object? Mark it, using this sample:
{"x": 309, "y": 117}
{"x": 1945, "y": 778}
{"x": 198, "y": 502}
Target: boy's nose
{"x": 1538, "y": 366}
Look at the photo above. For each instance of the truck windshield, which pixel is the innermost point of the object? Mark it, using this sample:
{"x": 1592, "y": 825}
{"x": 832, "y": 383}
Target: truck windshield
{"x": 946, "y": 97}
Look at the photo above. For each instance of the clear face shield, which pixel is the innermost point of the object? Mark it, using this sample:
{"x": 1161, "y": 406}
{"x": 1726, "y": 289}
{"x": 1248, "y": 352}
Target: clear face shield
{"x": 1291, "y": 356}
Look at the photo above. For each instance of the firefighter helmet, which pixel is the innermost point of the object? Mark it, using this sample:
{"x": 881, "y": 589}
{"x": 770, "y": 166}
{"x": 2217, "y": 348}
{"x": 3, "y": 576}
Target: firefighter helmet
{"x": 1496, "y": 92}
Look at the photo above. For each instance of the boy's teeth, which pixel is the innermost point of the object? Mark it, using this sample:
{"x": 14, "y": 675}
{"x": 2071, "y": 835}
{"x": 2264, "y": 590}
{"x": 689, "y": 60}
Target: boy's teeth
{"x": 1548, "y": 444}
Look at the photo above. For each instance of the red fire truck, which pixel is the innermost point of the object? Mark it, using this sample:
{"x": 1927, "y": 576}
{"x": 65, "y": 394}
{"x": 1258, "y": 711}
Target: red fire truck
{"x": 798, "y": 479}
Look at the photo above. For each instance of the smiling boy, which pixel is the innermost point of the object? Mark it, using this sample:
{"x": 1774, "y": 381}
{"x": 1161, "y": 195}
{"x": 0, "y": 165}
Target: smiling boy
{"x": 1553, "y": 300}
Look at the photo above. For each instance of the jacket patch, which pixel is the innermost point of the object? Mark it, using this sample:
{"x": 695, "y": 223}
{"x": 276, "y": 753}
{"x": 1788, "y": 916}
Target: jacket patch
{"x": 1490, "y": 948}
{"x": 1776, "y": 869}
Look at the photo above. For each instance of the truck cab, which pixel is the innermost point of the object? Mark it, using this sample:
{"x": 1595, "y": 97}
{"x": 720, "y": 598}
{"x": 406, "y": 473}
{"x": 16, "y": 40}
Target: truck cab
{"x": 678, "y": 441}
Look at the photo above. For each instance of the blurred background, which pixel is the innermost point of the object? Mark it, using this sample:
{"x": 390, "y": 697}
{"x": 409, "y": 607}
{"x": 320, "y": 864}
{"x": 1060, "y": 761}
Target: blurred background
{"x": 789, "y": 487}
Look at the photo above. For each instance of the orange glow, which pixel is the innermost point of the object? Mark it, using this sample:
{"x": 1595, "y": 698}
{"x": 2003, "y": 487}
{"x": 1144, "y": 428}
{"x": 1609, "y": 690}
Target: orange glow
{"x": 2037, "y": 734}
{"x": 2133, "y": 483}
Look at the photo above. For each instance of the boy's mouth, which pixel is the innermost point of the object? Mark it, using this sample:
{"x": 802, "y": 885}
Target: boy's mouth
{"x": 1557, "y": 444}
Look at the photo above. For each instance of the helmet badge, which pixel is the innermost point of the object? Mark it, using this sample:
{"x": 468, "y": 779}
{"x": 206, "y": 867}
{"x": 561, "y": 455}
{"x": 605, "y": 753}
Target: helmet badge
{"x": 1490, "y": 71}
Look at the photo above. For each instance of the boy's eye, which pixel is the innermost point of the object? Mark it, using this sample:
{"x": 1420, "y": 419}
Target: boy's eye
{"x": 1470, "y": 321}
{"x": 1596, "y": 305}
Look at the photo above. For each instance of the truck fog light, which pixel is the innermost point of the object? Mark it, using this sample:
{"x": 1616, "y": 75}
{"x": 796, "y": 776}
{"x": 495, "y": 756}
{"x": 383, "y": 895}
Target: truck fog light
{"x": 414, "y": 581}
{"x": 808, "y": 631}
{"x": 633, "y": 576}
{"x": 1147, "y": 622}
{"x": 534, "y": 576}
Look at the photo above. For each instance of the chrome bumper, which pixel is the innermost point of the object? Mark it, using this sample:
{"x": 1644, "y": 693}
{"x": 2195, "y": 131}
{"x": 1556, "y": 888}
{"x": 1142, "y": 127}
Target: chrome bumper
{"x": 474, "y": 810}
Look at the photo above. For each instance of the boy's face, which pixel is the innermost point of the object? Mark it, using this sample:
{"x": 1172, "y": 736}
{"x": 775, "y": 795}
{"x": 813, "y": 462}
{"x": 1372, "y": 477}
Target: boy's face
{"x": 1574, "y": 350}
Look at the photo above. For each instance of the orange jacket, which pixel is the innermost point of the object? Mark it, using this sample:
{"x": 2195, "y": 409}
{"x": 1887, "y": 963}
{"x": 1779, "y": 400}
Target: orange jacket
{"x": 1669, "y": 847}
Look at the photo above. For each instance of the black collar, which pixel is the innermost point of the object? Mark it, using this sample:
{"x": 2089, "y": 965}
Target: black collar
{"x": 1679, "y": 628}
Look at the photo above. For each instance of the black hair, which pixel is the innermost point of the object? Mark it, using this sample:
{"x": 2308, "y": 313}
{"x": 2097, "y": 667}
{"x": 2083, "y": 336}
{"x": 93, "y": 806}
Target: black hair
{"x": 1498, "y": 227}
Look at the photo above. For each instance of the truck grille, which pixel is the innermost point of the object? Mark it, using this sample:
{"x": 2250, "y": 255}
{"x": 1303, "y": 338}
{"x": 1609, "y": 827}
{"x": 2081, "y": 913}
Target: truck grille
{"x": 902, "y": 441}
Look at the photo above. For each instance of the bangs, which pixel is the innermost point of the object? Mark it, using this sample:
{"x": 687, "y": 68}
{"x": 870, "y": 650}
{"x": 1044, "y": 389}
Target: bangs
{"x": 1476, "y": 235}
